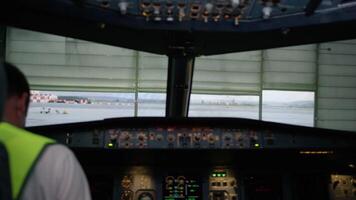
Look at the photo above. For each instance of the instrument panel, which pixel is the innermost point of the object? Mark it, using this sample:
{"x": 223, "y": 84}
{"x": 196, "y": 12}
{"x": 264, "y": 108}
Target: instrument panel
{"x": 147, "y": 183}
{"x": 228, "y": 183}
{"x": 197, "y": 133}
{"x": 157, "y": 158}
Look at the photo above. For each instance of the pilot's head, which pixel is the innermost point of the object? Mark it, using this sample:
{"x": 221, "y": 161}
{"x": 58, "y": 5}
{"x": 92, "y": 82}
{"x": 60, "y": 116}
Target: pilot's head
{"x": 18, "y": 96}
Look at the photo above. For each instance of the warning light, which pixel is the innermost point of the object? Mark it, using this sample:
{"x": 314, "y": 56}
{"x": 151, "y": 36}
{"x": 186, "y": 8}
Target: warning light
{"x": 219, "y": 173}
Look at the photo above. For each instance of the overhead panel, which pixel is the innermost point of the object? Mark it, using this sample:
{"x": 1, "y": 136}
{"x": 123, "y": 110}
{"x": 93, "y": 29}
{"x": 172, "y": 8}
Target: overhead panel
{"x": 291, "y": 68}
{"x": 337, "y": 85}
{"x": 57, "y": 63}
{"x": 235, "y": 73}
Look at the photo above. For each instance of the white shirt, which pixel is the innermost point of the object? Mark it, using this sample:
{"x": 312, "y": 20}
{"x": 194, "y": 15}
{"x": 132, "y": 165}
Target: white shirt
{"x": 57, "y": 175}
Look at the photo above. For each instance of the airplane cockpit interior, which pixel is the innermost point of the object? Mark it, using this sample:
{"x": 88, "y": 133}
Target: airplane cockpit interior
{"x": 194, "y": 99}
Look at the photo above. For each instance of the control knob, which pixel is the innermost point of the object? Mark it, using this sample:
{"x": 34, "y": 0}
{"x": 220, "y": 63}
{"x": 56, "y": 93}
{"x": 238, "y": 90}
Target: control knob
{"x": 126, "y": 136}
{"x": 197, "y": 138}
{"x": 170, "y": 138}
{"x": 141, "y": 137}
{"x": 211, "y": 139}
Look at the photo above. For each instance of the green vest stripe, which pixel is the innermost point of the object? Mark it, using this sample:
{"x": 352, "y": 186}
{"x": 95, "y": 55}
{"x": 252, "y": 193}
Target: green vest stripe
{"x": 23, "y": 148}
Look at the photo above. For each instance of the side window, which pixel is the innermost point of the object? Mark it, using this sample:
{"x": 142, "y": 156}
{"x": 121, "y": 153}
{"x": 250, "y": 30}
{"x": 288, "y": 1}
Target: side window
{"x": 288, "y": 107}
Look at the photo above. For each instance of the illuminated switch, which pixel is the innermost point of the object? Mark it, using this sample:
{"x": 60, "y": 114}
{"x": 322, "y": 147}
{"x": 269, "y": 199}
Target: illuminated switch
{"x": 112, "y": 143}
{"x": 169, "y": 18}
{"x": 253, "y": 142}
{"x": 206, "y": 16}
{"x": 235, "y": 3}
{"x": 236, "y": 13}
{"x": 267, "y": 11}
{"x": 123, "y": 5}
{"x": 181, "y": 12}
{"x": 216, "y": 16}
{"x": 157, "y": 11}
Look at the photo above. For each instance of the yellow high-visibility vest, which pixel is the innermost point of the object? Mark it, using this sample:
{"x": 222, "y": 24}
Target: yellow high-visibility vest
{"x": 24, "y": 149}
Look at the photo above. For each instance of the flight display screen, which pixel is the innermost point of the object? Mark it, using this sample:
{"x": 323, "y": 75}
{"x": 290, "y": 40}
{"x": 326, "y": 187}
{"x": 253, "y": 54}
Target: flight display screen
{"x": 182, "y": 188}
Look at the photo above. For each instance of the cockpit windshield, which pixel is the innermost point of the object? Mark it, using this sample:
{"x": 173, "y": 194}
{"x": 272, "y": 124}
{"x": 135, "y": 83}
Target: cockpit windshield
{"x": 74, "y": 80}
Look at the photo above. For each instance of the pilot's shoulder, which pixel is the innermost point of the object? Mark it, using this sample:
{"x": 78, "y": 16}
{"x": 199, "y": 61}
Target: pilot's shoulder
{"x": 57, "y": 153}
{"x": 57, "y": 149}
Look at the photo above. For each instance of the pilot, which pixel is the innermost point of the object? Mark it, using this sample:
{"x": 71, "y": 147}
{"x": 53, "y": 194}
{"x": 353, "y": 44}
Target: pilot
{"x": 5, "y": 190}
{"x": 40, "y": 169}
